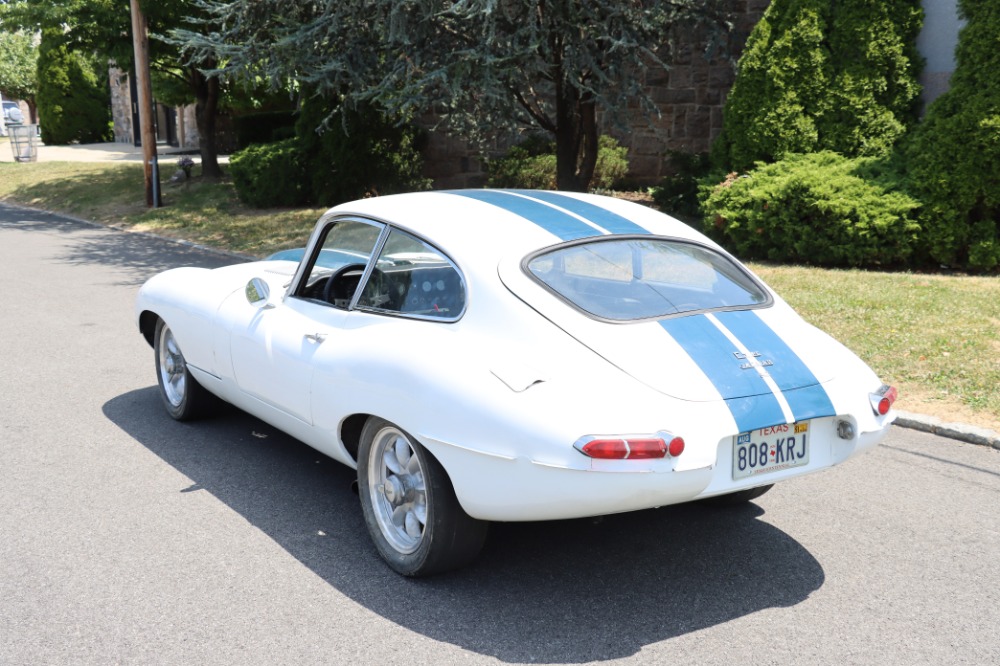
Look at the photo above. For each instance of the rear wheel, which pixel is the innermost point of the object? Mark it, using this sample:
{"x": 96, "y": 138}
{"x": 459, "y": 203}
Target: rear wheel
{"x": 409, "y": 505}
{"x": 737, "y": 498}
{"x": 182, "y": 395}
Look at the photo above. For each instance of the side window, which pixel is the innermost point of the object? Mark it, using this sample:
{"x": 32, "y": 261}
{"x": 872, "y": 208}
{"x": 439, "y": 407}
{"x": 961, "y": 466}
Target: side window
{"x": 341, "y": 259}
{"x": 414, "y": 278}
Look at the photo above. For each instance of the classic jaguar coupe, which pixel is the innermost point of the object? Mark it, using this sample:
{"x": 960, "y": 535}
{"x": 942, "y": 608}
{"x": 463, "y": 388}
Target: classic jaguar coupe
{"x": 502, "y": 355}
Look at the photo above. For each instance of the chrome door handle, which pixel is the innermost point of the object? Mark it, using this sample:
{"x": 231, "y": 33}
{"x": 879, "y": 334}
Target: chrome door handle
{"x": 316, "y": 337}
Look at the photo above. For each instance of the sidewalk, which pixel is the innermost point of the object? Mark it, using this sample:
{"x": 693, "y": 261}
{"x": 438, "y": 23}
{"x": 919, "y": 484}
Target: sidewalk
{"x": 97, "y": 152}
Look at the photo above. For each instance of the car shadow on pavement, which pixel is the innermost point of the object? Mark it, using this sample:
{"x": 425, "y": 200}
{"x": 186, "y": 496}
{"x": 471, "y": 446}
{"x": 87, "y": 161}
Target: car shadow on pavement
{"x": 565, "y": 591}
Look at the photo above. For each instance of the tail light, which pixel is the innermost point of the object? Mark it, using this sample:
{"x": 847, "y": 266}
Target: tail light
{"x": 660, "y": 445}
{"x": 882, "y": 399}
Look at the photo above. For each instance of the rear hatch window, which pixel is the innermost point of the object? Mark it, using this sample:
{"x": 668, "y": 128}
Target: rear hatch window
{"x": 627, "y": 279}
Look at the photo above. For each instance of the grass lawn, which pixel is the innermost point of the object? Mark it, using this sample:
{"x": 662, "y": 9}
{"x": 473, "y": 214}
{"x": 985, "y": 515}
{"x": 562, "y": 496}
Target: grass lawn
{"x": 935, "y": 337}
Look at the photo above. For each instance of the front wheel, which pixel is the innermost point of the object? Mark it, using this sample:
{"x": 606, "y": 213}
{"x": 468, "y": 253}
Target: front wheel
{"x": 182, "y": 395}
{"x": 409, "y": 505}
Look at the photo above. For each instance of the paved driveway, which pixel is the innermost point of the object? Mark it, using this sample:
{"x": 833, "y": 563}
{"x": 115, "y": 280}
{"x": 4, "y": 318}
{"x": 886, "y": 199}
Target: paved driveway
{"x": 126, "y": 537}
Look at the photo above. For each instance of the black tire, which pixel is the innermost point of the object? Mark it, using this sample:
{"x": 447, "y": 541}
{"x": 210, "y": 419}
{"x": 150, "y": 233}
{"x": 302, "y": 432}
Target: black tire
{"x": 409, "y": 505}
{"x": 737, "y": 498}
{"x": 182, "y": 395}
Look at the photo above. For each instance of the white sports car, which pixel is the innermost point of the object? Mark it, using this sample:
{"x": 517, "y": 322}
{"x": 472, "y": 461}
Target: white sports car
{"x": 494, "y": 355}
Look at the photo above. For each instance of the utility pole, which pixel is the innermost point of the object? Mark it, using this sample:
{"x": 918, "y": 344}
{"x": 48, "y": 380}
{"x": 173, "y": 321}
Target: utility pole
{"x": 140, "y": 41}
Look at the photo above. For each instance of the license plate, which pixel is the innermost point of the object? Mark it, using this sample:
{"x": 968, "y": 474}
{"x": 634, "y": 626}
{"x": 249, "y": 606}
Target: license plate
{"x": 770, "y": 449}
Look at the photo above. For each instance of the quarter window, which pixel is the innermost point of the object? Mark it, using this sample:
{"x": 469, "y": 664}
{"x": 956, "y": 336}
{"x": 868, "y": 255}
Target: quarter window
{"x": 414, "y": 278}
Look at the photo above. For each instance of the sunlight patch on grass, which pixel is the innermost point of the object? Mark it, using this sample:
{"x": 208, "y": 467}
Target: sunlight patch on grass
{"x": 200, "y": 211}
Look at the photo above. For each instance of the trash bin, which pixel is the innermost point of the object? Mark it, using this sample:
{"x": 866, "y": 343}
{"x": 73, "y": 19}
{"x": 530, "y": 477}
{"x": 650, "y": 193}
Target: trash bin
{"x": 24, "y": 142}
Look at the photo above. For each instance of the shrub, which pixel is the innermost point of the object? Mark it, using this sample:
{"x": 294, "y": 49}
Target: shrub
{"x": 357, "y": 153}
{"x": 818, "y": 208}
{"x": 532, "y": 165}
{"x": 953, "y": 157}
{"x": 72, "y": 102}
{"x": 677, "y": 194}
{"x": 270, "y": 175}
{"x": 327, "y": 166}
{"x": 818, "y": 75}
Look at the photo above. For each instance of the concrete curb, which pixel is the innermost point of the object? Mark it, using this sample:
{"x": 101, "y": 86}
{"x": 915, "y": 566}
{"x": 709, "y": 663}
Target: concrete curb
{"x": 959, "y": 431}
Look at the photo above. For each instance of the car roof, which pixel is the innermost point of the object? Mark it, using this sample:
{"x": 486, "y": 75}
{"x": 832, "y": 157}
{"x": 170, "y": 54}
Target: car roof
{"x": 489, "y": 225}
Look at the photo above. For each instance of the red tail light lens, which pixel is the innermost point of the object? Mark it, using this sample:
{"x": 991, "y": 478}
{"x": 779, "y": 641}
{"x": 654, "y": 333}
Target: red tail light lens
{"x": 883, "y": 399}
{"x": 630, "y": 448}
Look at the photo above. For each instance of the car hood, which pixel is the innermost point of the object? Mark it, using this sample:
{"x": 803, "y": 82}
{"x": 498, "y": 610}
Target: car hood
{"x": 767, "y": 361}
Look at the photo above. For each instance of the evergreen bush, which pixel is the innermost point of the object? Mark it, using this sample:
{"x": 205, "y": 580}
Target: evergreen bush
{"x": 818, "y": 75}
{"x": 677, "y": 194}
{"x": 357, "y": 153}
{"x": 820, "y": 208}
{"x": 365, "y": 156}
{"x": 270, "y": 175}
{"x": 72, "y": 102}
{"x": 531, "y": 165}
{"x": 953, "y": 156}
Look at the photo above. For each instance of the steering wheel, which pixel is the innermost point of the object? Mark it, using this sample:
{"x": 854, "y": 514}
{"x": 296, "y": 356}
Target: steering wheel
{"x": 334, "y": 290}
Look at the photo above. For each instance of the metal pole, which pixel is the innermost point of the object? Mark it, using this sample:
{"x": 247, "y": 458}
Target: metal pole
{"x": 140, "y": 42}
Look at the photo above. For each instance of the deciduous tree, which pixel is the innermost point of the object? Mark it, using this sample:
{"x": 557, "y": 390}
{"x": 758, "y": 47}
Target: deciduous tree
{"x": 103, "y": 27}
{"x": 18, "y": 58}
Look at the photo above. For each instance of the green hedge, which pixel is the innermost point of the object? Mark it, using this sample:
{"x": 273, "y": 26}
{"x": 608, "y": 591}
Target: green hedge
{"x": 532, "y": 165}
{"x": 270, "y": 175}
{"x": 954, "y": 155}
{"x": 357, "y": 153}
{"x": 820, "y": 208}
{"x": 366, "y": 155}
{"x": 818, "y": 75}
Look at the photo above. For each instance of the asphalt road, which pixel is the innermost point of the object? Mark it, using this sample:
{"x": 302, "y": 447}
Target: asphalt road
{"x": 128, "y": 538}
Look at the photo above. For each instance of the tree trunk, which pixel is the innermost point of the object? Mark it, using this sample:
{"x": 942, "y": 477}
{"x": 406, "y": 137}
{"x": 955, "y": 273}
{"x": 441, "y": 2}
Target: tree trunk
{"x": 576, "y": 139}
{"x": 589, "y": 145}
{"x": 205, "y": 110}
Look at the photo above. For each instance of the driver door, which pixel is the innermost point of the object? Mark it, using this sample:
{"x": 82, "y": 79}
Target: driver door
{"x": 273, "y": 349}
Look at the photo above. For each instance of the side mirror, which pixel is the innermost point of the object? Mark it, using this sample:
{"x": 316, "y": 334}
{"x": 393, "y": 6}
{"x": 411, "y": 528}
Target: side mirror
{"x": 257, "y": 293}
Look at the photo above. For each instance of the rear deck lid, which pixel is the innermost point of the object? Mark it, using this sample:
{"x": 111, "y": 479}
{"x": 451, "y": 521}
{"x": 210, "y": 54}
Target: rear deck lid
{"x": 684, "y": 319}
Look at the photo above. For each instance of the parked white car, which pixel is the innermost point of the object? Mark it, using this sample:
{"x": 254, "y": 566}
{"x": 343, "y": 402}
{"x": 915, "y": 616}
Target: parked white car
{"x": 486, "y": 355}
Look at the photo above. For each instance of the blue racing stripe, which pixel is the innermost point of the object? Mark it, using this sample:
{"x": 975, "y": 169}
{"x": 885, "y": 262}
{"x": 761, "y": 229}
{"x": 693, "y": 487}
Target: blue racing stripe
{"x": 748, "y": 396}
{"x": 602, "y": 217}
{"x": 805, "y": 395}
{"x": 556, "y": 222}
{"x": 755, "y": 411}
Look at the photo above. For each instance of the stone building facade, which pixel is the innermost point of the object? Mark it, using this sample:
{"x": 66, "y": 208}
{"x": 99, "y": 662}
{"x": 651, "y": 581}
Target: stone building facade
{"x": 174, "y": 126}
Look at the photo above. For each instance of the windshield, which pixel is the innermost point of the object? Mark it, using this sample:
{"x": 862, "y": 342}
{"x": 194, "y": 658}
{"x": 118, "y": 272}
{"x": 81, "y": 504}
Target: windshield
{"x": 645, "y": 278}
